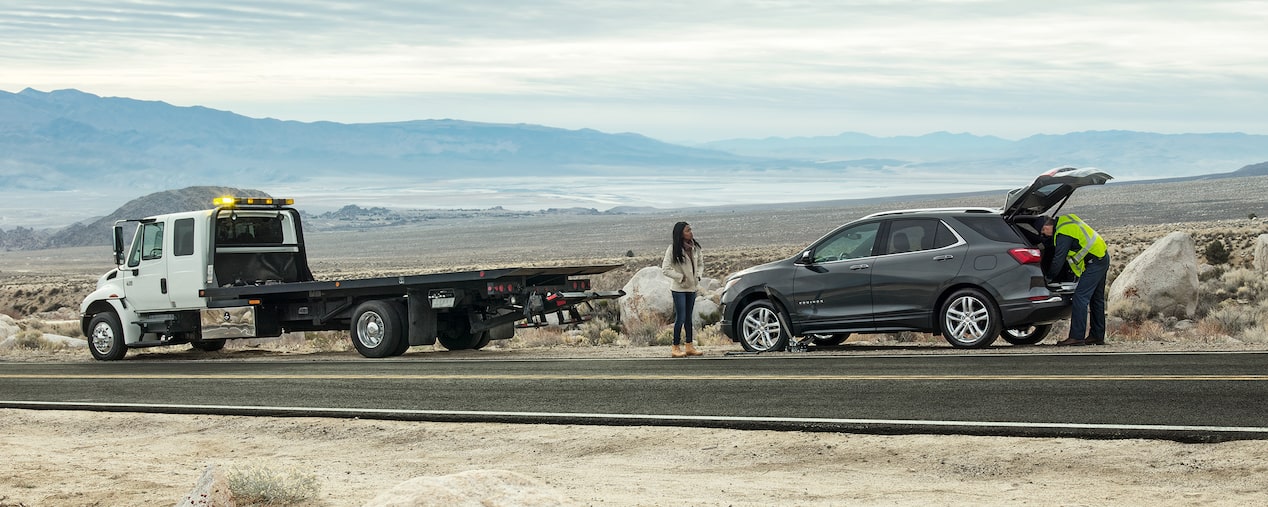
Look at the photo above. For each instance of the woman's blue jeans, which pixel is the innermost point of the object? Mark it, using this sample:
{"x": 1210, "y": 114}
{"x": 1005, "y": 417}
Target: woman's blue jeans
{"x": 684, "y": 307}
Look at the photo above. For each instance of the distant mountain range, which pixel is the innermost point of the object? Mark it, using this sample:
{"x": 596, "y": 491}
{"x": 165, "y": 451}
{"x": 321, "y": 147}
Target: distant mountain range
{"x": 116, "y": 149}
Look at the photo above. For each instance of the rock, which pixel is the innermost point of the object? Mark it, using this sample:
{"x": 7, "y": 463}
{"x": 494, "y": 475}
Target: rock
{"x": 1261, "y": 253}
{"x": 65, "y": 341}
{"x": 648, "y": 292}
{"x": 212, "y": 490}
{"x": 1164, "y": 277}
{"x": 474, "y": 488}
{"x": 8, "y": 327}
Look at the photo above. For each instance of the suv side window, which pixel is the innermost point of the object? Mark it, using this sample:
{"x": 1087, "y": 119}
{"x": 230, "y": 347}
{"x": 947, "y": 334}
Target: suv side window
{"x": 992, "y": 227}
{"x": 852, "y": 243}
{"x": 914, "y": 235}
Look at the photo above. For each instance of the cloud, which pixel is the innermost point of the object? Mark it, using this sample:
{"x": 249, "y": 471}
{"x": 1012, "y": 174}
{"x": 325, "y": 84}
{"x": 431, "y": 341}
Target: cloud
{"x": 988, "y": 65}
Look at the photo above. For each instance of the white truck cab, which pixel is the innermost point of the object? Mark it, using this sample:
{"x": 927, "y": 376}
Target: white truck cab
{"x": 153, "y": 295}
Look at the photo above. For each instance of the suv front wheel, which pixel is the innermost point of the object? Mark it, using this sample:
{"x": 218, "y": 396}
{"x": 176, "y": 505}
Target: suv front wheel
{"x": 761, "y": 328}
{"x": 969, "y": 319}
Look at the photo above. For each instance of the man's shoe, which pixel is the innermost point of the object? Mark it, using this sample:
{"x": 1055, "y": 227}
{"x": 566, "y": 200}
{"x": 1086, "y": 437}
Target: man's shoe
{"x": 1099, "y": 341}
{"x": 1071, "y": 342}
{"x": 676, "y": 351}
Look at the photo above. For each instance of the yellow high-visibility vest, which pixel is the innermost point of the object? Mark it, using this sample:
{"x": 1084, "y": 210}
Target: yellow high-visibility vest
{"x": 1091, "y": 242}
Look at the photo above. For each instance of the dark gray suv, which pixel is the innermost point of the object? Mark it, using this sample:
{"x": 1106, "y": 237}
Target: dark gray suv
{"x": 969, "y": 274}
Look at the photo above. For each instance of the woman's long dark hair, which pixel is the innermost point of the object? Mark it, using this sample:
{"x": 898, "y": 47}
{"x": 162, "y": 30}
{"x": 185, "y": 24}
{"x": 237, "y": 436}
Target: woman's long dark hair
{"x": 678, "y": 254}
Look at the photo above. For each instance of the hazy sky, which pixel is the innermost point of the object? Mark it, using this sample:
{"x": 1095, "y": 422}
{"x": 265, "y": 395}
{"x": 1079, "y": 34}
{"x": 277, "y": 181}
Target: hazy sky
{"x": 680, "y": 71}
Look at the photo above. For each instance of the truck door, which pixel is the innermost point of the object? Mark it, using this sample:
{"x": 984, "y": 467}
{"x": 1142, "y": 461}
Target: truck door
{"x": 145, "y": 276}
{"x": 186, "y": 266}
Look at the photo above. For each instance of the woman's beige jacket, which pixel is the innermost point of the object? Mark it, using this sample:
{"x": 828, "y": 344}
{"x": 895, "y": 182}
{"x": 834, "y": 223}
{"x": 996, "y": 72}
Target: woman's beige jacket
{"x": 683, "y": 276}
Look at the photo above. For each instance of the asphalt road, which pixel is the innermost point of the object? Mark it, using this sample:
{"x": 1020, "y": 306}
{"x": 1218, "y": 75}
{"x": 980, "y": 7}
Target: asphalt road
{"x": 1180, "y": 396}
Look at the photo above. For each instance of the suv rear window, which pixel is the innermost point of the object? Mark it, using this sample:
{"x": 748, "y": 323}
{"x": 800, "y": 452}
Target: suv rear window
{"x": 993, "y": 228}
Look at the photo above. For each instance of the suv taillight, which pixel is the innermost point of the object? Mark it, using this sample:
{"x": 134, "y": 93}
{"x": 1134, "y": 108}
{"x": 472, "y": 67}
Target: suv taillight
{"x": 1026, "y": 255}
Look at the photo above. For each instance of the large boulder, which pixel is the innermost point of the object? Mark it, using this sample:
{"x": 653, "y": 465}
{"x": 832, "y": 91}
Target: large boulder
{"x": 648, "y": 293}
{"x": 8, "y": 327}
{"x": 1163, "y": 278}
{"x": 1261, "y": 253}
{"x": 473, "y": 488}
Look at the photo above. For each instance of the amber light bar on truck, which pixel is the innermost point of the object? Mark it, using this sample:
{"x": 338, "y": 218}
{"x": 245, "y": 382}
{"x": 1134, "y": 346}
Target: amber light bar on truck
{"x": 235, "y": 202}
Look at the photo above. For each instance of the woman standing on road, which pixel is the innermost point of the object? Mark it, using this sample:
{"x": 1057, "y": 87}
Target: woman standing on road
{"x": 683, "y": 265}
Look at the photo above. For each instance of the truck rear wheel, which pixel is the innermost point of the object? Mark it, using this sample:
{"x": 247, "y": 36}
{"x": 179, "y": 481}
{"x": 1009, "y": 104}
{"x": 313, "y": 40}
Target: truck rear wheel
{"x": 376, "y": 329}
{"x": 105, "y": 337}
{"x": 454, "y": 333}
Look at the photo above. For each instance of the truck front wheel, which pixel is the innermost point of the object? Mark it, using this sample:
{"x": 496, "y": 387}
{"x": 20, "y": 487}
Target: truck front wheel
{"x": 105, "y": 338}
{"x": 376, "y": 329}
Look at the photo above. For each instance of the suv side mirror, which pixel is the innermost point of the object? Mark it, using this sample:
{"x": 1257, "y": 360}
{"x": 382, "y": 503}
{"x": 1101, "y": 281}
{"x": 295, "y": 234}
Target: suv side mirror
{"x": 806, "y": 258}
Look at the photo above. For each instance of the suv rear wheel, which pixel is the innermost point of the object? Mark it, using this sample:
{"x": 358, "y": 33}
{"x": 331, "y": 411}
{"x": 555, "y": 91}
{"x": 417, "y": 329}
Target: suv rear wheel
{"x": 1029, "y": 335}
{"x": 761, "y": 328}
{"x": 969, "y": 319}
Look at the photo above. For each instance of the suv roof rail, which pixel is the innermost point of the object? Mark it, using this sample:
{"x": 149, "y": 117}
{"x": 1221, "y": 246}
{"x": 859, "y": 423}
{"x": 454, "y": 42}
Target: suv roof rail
{"x": 967, "y": 209}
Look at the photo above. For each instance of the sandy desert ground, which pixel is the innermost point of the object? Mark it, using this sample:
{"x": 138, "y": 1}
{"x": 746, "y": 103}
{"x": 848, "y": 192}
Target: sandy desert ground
{"x": 62, "y": 458}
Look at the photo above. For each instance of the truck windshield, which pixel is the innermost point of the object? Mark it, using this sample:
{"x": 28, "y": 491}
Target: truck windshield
{"x": 249, "y": 230}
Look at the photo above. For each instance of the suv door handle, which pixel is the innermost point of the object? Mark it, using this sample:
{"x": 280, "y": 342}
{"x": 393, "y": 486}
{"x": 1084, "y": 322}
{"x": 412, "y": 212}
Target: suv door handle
{"x": 857, "y": 267}
{"x": 163, "y": 285}
{"x": 945, "y": 257}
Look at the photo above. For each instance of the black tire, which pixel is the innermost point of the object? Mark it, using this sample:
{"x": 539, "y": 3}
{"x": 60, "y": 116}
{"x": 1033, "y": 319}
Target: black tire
{"x": 208, "y": 345}
{"x": 105, "y": 337}
{"x": 376, "y": 329}
{"x": 403, "y": 345}
{"x": 485, "y": 338}
{"x": 969, "y": 319}
{"x": 761, "y": 328}
{"x": 1029, "y": 335}
{"x": 828, "y": 340}
{"x": 453, "y": 331}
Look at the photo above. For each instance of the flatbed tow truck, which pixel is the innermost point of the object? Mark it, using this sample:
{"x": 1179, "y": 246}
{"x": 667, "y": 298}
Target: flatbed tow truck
{"x": 240, "y": 270}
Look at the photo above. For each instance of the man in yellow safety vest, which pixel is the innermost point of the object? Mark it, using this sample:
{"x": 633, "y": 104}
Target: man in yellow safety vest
{"x": 1077, "y": 244}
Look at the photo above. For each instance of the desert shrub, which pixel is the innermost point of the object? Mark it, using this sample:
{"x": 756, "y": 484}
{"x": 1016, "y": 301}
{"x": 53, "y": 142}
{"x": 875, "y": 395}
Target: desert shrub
{"x": 263, "y": 486}
{"x": 70, "y": 329}
{"x": 1148, "y": 330}
{"x": 1216, "y": 253}
{"x": 1211, "y": 274}
{"x": 329, "y": 341}
{"x": 32, "y": 339}
{"x": 711, "y": 336}
{"x": 1233, "y": 319}
{"x": 598, "y": 332}
{"x": 607, "y": 311}
{"x": 711, "y": 318}
{"x": 1132, "y": 310}
{"x": 644, "y": 328}
{"x": 664, "y": 336}
{"x": 534, "y": 337}
{"x": 608, "y": 337}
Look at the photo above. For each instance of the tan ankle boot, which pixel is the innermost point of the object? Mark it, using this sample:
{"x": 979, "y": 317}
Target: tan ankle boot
{"x": 676, "y": 351}
{"x": 691, "y": 350}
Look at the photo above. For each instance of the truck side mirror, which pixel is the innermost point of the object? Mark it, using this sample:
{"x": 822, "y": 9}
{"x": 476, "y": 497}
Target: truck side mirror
{"x": 118, "y": 245}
